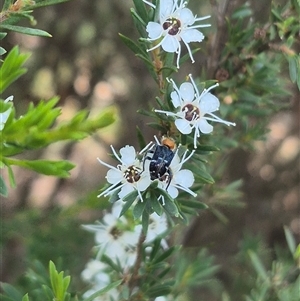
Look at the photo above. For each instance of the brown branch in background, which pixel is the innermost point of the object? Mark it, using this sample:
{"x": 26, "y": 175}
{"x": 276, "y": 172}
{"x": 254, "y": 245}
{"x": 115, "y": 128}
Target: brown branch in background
{"x": 221, "y": 9}
{"x": 134, "y": 277}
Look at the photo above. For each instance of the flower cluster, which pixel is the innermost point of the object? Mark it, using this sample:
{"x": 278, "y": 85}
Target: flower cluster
{"x": 175, "y": 24}
{"x": 117, "y": 238}
{"x": 137, "y": 174}
{"x": 158, "y": 167}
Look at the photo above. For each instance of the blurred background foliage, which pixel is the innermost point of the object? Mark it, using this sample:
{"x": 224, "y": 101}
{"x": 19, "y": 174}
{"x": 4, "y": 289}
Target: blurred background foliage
{"x": 89, "y": 67}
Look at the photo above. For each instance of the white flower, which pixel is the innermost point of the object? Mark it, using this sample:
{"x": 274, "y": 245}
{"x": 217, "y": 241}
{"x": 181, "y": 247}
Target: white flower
{"x": 194, "y": 109}
{"x": 127, "y": 176}
{"x": 111, "y": 295}
{"x": 129, "y": 257}
{"x": 4, "y": 115}
{"x": 180, "y": 178}
{"x": 157, "y": 226}
{"x": 94, "y": 272}
{"x": 161, "y": 298}
{"x": 111, "y": 236}
{"x": 175, "y": 25}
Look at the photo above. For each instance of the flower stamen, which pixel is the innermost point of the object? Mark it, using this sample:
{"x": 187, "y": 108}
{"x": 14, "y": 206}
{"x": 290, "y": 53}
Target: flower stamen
{"x": 132, "y": 174}
{"x": 172, "y": 25}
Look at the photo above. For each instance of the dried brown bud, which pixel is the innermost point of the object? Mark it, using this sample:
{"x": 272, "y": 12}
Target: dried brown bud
{"x": 259, "y": 34}
{"x": 222, "y": 75}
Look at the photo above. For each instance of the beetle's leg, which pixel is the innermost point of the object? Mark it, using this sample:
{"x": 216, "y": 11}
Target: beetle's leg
{"x": 170, "y": 176}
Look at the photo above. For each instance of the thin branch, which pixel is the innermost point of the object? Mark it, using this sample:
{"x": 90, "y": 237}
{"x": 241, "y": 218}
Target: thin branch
{"x": 134, "y": 277}
{"x": 218, "y": 40}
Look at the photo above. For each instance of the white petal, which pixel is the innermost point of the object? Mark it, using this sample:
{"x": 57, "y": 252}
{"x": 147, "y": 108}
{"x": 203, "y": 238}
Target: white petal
{"x": 173, "y": 191}
{"x": 117, "y": 208}
{"x": 114, "y": 249}
{"x": 143, "y": 183}
{"x": 9, "y": 98}
{"x": 114, "y": 176}
{"x": 204, "y": 126}
{"x": 3, "y": 118}
{"x": 209, "y": 103}
{"x": 102, "y": 279}
{"x": 186, "y": 16}
{"x": 154, "y": 30}
{"x": 185, "y": 178}
{"x": 102, "y": 237}
{"x": 183, "y": 126}
{"x": 175, "y": 99}
{"x": 170, "y": 44}
{"x": 128, "y": 155}
{"x": 126, "y": 189}
{"x": 131, "y": 237}
{"x": 166, "y": 9}
{"x": 110, "y": 219}
{"x": 187, "y": 92}
{"x": 175, "y": 162}
{"x": 191, "y": 35}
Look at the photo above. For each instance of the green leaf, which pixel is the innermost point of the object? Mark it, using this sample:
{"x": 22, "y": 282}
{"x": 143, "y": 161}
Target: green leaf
{"x": 11, "y": 292}
{"x": 114, "y": 196}
{"x": 166, "y": 254}
{"x": 6, "y": 4}
{"x": 293, "y": 68}
{"x": 138, "y": 23}
{"x": 11, "y": 177}
{"x": 53, "y": 274}
{"x": 128, "y": 201}
{"x": 2, "y": 51}
{"x": 139, "y": 209}
{"x": 141, "y": 10}
{"x": 206, "y": 148}
{"x": 220, "y": 216}
{"x": 59, "y": 283}
{"x": 104, "y": 290}
{"x": 3, "y": 35}
{"x": 159, "y": 290}
{"x": 260, "y": 269}
{"x": 290, "y": 239}
{"x": 11, "y": 68}
{"x": 145, "y": 222}
{"x": 34, "y": 129}
{"x": 26, "y": 30}
{"x": 193, "y": 204}
{"x": 108, "y": 261}
{"x": 46, "y": 3}
{"x": 51, "y": 168}
{"x": 242, "y": 12}
{"x": 3, "y": 188}
{"x": 201, "y": 173}
{"x": 156, "y": 206}
{"x": 169, "y": 204}
{"x": 135, "y": 48}
{"x": 25, "y": 298}
{"x": 140, "y": 138}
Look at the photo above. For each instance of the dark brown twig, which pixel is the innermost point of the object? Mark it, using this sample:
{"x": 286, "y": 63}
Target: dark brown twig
{"x": 134, "y": 277}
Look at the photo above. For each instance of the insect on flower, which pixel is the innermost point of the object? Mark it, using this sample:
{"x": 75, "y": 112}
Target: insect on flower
{"x": 160, "y": 155}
